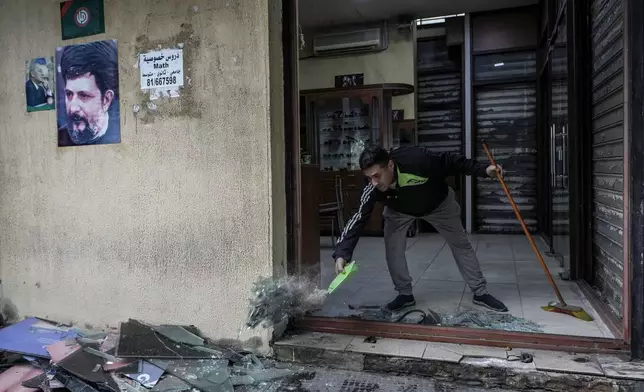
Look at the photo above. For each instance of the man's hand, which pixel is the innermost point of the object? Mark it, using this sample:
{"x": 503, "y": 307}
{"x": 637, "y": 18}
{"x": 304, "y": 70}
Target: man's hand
{"x": 340, "y": 263}
{"x": 493, "y": 170}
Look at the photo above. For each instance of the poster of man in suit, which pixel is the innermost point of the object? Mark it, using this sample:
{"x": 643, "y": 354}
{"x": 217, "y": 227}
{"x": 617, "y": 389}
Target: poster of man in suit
{"x": 39, "y": 84}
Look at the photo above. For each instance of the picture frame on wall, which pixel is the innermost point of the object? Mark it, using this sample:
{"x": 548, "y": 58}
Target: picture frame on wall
{"x": 350, "y": 80}
{"x": 87, "y": 85}
{"x": 40, "y": 84}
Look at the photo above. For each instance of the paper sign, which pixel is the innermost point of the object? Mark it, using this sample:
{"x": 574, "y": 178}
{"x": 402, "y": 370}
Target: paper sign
{"x": 162, "y": 69}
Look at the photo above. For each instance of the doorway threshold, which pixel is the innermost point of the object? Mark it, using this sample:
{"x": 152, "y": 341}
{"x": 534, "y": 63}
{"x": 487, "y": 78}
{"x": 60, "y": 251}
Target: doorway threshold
{"x": 463, "y": 335}
{"x": 497, "y": 367}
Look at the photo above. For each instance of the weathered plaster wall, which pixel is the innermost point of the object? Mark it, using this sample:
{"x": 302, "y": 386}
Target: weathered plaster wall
{"x": 394, "y": 65}
{"x": 176, "y": 222}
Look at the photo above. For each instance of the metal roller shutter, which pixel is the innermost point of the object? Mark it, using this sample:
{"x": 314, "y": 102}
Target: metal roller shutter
{"x": 439, "y": 119}
{"x": 607, "y": 21}
{"x": 506, "y": 119}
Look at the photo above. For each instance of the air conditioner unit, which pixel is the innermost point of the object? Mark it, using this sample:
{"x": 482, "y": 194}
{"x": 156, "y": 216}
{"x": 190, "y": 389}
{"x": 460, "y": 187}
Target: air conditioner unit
{"x": 349, "y": 42}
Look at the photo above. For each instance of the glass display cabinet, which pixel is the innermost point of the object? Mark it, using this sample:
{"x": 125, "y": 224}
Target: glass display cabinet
{"x": 404, "y": 134}
{"x": 340, "y": 123}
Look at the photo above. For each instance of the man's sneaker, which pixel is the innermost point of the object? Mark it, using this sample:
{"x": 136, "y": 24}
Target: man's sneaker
{"x": 489, "y": 302}
{"x": 401, "y": 302}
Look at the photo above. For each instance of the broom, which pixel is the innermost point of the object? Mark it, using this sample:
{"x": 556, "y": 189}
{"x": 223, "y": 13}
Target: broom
{"x": 556, "y": 307}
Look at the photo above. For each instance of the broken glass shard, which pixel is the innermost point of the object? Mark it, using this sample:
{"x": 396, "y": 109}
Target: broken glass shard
{"x": 170, "y": 383}
{"x": 489, "y": 320}
{"x": 207, "y": 375}
{"x": 179, "y": 334}
{"x": 209, "y": 350}
{"x": 137, "y": 340}
{"x": 263, "y": 375}
{"x": 83, "y": 364}
{"x": 74, "y": 384}
{"x": 106, "y": 356}
{"x": 276, "y": 300}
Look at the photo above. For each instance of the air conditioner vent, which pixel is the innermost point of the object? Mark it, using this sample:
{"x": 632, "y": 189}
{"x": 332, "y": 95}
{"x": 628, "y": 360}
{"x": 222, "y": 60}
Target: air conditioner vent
{"x": 363, "y": 40}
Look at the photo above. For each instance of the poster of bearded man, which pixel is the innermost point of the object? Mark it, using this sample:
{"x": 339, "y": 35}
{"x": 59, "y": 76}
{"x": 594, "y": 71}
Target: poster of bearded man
{"x": 87, "y": 88}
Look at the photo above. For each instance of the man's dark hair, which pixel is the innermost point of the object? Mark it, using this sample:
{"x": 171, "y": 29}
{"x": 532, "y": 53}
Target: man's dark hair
{"x": 96, "y": 58}
{"x": 373, "y": 155}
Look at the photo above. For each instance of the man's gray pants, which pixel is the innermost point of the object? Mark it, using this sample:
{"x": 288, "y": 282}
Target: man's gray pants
{"x": 447, "y": 221}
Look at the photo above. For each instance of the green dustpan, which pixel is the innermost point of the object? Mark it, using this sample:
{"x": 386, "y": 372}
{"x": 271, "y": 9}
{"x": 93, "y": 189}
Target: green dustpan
{"x": 349, "y": 269}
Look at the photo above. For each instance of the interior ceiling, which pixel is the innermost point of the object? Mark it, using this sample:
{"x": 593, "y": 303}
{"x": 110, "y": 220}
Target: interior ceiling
{"x": 324, "y": 13}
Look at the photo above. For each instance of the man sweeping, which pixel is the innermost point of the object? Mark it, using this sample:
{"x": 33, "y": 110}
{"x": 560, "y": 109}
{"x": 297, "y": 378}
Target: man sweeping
{"x": 411, "y": 182}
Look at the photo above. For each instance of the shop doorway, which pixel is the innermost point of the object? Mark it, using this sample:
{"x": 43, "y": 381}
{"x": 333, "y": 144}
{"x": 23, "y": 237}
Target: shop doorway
{"x": 381, "y": 95}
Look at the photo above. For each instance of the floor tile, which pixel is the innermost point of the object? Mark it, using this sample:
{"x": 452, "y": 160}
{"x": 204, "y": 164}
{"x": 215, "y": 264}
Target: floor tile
{"x": 440, "y": 272}
{"x": 501, "y": 272}
{"x": 479, "y": 351}
{"x": 568, "y": 363}
{"x": 378, "y": 292}
{"x": 530, "y": 269}
{"x": 503, "y": 254}
{"x": 441, "y": 352}
{"x": 539, "y": 278}
{"x": 444, "y": 258}
{"x": 531, "y": 272}
{"x": 391, "y": 347}
{"x": 621, "y": 368}
{"x": 427, "y": 285}
{"x": 504, "y": 291}
{"x": 416, "y": 272}
{"x": 318, "y": 340}
{"x": 542, "y": 289}
{"x": 499, "y": 363}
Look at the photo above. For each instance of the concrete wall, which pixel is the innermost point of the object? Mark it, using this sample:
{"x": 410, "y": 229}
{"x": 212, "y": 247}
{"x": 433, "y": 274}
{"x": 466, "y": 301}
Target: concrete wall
{"x": 394, "y": 65}
{"x": 176, "y": 222}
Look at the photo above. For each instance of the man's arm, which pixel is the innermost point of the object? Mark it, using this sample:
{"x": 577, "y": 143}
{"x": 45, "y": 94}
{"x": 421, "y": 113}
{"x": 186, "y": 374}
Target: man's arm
{"x": 454, "y": 164}
{"x": 351, "y": 233}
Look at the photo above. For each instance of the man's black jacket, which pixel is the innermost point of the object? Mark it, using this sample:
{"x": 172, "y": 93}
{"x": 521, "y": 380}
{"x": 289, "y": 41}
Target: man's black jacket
{"x": 420, "y": 187}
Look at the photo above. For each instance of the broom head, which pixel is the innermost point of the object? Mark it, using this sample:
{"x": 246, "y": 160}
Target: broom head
{"x": 574, "y": 311}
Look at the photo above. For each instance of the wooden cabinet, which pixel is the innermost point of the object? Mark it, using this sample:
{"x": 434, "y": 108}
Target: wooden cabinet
{"x": 340, "y": 123}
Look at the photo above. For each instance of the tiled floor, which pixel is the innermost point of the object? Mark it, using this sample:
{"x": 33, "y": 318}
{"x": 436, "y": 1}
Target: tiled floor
{"x": 508, "y": 264}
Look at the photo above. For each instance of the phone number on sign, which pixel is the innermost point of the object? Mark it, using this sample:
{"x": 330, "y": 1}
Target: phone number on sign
{"x": 162, "y": 81}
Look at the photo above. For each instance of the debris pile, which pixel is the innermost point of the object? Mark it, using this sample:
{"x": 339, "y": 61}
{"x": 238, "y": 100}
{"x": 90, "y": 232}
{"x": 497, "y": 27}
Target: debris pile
{"x": 469, "y": 318}
{"x": 42, "y": 355}
{"x": 275, "y": 300}
{"x": 489, "y": 320}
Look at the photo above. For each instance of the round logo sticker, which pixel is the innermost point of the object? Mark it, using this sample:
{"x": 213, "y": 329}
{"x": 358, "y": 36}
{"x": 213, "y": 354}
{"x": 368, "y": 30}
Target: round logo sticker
{"x": 81, "y": 17}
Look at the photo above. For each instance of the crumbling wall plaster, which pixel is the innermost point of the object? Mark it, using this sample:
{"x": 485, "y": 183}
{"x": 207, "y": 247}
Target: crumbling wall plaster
{"x": 175, "y": 223}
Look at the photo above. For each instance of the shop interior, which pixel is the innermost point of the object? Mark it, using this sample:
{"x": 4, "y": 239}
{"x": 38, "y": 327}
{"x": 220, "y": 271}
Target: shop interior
{"x": 445, "y": 75}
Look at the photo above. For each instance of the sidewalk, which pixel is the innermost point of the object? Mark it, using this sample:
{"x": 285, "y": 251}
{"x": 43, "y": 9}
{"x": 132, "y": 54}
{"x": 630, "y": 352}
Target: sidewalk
{"x": 332, "y": 380}
{"x": 474, "y": 366}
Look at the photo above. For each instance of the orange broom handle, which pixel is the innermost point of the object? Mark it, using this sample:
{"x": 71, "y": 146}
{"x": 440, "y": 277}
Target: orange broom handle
{"x": 524, "y": 227}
